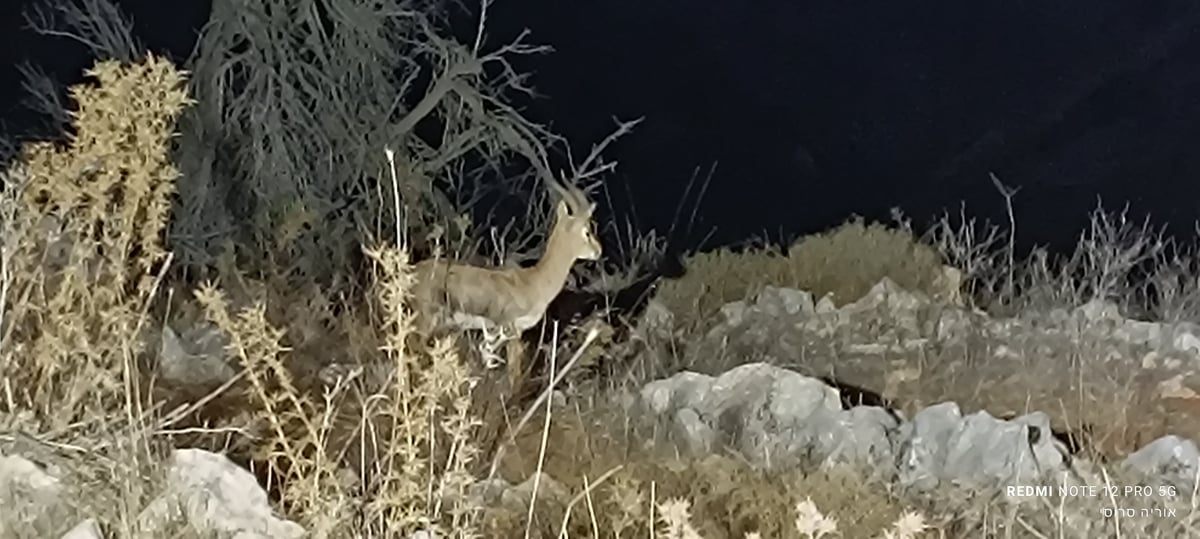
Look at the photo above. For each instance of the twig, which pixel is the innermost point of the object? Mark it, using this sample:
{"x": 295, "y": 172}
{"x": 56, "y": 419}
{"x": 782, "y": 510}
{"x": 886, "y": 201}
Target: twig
{"x": 1008, "y": 193}
{"x": 537, "y": 474}
{"x": 587, "y": 491}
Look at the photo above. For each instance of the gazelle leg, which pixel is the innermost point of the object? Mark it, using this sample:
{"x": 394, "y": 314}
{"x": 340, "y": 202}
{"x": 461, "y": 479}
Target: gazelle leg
{"x": 487, "y": 348}
{"x": 512, "y": 354}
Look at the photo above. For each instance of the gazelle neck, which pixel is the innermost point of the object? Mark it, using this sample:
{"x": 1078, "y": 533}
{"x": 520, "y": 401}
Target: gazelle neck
{"x": 551, "y": 270}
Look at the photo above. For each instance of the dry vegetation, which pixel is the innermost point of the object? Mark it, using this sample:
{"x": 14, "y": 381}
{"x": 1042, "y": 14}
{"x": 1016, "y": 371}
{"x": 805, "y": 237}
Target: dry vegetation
{"x": 1141, "y": 269}
{"x": 79, "y": 380}
{"x": 842, "y": 263}
{"x": 82, "y": 260}
{"x": 121, "y": 229}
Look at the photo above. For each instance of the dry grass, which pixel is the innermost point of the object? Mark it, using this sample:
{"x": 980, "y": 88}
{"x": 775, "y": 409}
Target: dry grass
{"x": 602, "y": 447}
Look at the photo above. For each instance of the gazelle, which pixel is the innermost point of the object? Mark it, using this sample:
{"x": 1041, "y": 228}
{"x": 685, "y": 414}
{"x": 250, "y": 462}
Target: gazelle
{"x": 449, "y": 295}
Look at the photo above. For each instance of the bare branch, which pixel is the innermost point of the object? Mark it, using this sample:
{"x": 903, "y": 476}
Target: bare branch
{"x": 97, "y": 24}
{"x": 44, "y": 95}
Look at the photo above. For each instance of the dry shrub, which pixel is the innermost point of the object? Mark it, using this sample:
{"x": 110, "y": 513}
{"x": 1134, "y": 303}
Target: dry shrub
{"x": 82, "y": 262}
{"x": 718, "y": 277}
{"x": 847, "y": 261}
{"x": 410, "y": 428}
{"x": 83, "y": 250}
{"x": 843, "y": 263}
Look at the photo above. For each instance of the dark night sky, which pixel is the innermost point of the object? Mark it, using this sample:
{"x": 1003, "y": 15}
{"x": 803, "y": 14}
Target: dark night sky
{"x": 817, "y": 110}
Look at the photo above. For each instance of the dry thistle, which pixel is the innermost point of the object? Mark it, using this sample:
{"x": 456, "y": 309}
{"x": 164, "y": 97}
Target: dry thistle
{"x": 83, "y": 246}
{"x": 427, "y": 452}
{"x": 909, "y": 525}
{"x": 811, "y": 522}
{"x": 676, "y": 517}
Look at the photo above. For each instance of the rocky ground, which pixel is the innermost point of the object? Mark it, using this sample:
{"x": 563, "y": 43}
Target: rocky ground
{"x": 1116, "y": 384}
{"x": 927, "y": 401}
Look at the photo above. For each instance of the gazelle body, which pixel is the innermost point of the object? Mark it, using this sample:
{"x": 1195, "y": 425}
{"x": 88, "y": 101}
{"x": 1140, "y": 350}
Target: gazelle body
{"x": 449, "y": 295}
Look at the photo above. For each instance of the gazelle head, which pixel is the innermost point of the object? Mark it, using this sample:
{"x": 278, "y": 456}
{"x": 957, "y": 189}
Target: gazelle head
{"x": 573, "y": 222}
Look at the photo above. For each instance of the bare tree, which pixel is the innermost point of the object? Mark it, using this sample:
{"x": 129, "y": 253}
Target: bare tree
{"x": 296, "y": 102}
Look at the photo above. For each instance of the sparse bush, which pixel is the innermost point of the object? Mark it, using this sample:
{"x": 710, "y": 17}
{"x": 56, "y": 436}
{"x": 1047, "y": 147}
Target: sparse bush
{"x": 976, "y": 249}
{"x": 1110, "y": 261}
{"x": 1172, "y": 289}
{"x": 1129, "y": 263}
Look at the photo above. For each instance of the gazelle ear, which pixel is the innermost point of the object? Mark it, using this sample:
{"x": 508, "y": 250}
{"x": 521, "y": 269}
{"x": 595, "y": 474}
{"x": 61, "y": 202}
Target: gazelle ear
{"x": 561, "y": 209}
